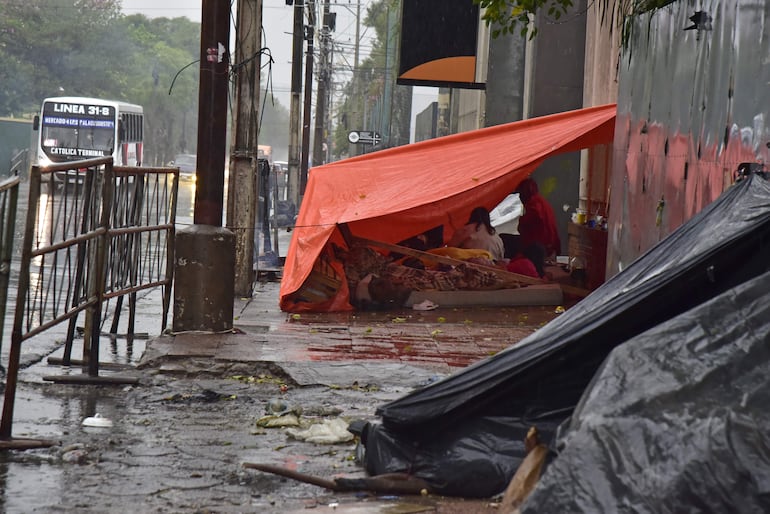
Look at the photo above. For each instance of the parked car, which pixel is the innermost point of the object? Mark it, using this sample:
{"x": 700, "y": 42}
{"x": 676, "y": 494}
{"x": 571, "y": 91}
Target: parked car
{"x": 187, "y": 164}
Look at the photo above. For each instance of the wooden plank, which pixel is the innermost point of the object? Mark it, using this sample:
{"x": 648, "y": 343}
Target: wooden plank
{"x": 22, "y": 443}
{"x": 115, "y": 366}
{"x": 575, "y": 291}
{"x": 347, "y": 235}
{"x": 89, "y": 380}
{"x": 524, "y": 480}
{"x": 319, "y": 285}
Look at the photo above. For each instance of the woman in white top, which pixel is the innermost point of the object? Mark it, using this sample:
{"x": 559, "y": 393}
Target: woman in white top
{"x": 479, "y": 233}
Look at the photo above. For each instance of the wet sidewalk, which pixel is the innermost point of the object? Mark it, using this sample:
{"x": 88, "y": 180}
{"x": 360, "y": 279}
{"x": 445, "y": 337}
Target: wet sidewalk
{"x": 181, "y": 435}
{"x": 440, "y": 340}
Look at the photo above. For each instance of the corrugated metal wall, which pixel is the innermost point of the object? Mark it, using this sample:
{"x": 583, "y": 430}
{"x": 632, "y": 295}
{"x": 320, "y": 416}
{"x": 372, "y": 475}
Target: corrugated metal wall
{"x": 692, "y": 105}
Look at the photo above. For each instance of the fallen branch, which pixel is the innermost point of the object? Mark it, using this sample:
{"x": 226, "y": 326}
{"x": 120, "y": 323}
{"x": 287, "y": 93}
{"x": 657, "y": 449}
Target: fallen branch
{"x": 391, "y": 483}
{"x": 294, "y": 475}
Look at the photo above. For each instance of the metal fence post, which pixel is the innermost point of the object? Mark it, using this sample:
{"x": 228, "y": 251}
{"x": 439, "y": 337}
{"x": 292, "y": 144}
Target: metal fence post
{"x": 10, "y": 197}
{"x": 6, "y": 423}
{"x": 98, "y": 282}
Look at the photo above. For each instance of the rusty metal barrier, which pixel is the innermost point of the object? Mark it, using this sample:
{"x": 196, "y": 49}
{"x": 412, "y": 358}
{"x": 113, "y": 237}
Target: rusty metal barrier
{"x": 139, "y": 251}
{"x": 92, "y": 234}
{"x": 9, "y": 197}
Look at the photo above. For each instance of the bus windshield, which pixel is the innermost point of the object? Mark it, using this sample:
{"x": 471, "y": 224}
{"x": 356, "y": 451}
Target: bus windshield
{"x": 74, "y": 132}
{"x": 75, "y": 128}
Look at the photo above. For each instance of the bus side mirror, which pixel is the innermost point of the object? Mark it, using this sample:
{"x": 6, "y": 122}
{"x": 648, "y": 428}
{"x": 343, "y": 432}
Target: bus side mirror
{"x": 36, "y": 122}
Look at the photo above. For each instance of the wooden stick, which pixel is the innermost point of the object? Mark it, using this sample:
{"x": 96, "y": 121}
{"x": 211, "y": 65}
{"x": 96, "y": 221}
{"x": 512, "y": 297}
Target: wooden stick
{"x": 294, "y": 475}
{"x": 392, "y": 483}
{"x": 22, "y": 443}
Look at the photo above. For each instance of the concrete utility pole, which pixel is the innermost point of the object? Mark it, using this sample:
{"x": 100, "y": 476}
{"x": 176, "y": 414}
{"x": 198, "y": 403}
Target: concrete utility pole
{"x": 355, "y": 123}
{"x": 309, "y": 36}
{"x": 242, "y": 185}
{"x": 324, "y": 78}
{"x": 204, "y": 267}
{"x": 389, "y": 79}
{"x": 294, "y": 108}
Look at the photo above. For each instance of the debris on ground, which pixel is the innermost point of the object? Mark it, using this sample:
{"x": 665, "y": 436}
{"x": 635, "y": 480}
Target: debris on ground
{"x": 328, "y": 431}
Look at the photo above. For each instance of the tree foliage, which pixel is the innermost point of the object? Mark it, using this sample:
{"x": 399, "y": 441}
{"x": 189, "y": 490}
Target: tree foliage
{"x": 44, "y": 47}
{"x": 510, "y": 16}
{"x": 89, "y": 48}
{"x": 507, "y": 16}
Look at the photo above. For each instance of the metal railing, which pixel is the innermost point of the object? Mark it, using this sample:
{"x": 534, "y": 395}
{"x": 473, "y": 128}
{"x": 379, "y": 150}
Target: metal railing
{"x": 9, "y": 197}
{"x": 93, "y": 233}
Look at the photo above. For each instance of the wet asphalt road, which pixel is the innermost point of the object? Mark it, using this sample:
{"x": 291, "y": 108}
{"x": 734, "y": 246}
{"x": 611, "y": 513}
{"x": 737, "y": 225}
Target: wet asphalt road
{"x": 179, "y": 441}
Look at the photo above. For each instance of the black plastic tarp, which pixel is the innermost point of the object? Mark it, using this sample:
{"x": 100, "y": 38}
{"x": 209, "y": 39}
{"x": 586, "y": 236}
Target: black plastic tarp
{"x": 540, "y": 380}
{"x": 676, "y": 419}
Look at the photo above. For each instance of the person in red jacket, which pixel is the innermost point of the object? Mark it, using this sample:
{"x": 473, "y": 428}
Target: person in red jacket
{"x": 538, "y": 223}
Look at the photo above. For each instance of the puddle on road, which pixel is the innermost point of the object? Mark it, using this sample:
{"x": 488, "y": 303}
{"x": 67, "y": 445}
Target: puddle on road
{"x": 34, "y": 479}
{"x": 24, "y": 483}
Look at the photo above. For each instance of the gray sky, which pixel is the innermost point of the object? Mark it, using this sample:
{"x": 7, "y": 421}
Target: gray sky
{"x": 277, "y": 27}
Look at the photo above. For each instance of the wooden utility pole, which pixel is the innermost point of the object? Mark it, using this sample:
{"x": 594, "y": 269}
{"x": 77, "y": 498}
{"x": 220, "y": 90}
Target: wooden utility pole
{"x": 309, "y": 37}
{"x": 204, "y": 255}
{"x": 355, "y": 123}
{"x": 212, "y": 111}
{"x": 294, "y": 108}
{"x": 324, "y": 81}
{"x": 243, "y": 181}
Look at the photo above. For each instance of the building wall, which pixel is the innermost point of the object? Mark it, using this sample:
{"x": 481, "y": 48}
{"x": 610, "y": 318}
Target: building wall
{"x": 469, "y": 109}
{"x": 602, "y": 58}
{"x": 557, "y": 63}
{"x": 425, "y": 123}
{"x": 692, "y": 105}
{"x": 505, "y": 80}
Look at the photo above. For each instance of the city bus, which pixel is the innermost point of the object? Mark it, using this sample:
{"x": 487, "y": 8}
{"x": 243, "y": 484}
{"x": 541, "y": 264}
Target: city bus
{"x": 76, "y": 128}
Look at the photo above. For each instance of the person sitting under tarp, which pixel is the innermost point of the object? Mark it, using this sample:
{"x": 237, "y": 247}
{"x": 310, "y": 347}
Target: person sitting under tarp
{"x": 522, "y": 265}
{"x": 534, "y": 254}
{"x": 478, "y": 233}
{"x": 538, "y": 223}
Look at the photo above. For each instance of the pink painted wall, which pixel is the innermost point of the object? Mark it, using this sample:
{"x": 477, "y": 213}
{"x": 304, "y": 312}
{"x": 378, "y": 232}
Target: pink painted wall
{"x": 692, "y": 106}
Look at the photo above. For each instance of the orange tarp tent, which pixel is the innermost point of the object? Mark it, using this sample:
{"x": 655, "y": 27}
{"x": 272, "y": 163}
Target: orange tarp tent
{"x": 400, "y": 192}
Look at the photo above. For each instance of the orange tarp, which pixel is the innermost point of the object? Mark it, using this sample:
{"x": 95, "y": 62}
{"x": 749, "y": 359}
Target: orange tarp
{"x": 397, "y": 193}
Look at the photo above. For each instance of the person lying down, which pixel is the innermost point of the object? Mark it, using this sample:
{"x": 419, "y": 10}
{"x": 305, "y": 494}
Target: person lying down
{"x": 378, "y": 282}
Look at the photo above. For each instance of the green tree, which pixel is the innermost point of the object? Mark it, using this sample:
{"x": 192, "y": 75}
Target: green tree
{"x": 46, "y": 48}
{"x": 163, "y": 77}
{"x": 507, "y": 16}
{"x": 89, "y": 48}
